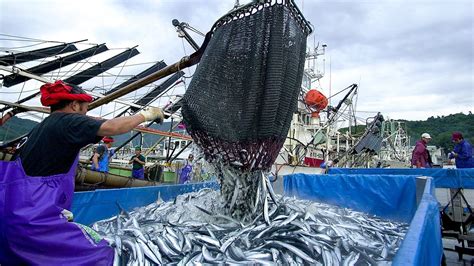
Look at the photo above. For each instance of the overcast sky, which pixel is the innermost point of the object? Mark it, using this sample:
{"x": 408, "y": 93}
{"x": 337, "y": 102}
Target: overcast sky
{"x": 412, "y": 59}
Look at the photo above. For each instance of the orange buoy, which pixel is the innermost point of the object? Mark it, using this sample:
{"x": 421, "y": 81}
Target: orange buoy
{"x": 315, "y": 101}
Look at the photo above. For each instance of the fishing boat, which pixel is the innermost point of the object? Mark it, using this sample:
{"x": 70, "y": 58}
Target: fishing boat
{"x": 320, "y": 132}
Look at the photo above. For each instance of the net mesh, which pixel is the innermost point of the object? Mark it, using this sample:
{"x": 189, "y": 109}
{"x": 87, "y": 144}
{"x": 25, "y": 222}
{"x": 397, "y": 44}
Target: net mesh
{"x": 241, "y": 100}
{"x": 242, "y": 97}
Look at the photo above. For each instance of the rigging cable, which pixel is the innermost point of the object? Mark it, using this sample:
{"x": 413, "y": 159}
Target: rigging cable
{"x": 19, "y": 47}
{"x": 16, "y": 92}
{"x": 120, "y": 71}
{"x": 339, "y": 92}
{"x": 186, "y": 54}
{"x": 113, "y": 112}
{"x": 21, "y": 91}
{"x": 76, "y": 64}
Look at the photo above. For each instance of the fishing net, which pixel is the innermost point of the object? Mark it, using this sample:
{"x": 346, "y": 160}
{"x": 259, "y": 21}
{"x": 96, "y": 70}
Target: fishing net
{"x": 241, "y": 100}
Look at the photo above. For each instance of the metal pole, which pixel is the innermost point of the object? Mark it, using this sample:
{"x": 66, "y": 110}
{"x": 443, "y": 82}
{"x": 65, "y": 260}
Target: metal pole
{"x": 169, "y": 141}
{"x": 185, "y": 62}
{"x": 180, "y": 27}
{"x": 132, "y": 137}
{"x": 158, "y": 142}
{"x": 181, "y": 151}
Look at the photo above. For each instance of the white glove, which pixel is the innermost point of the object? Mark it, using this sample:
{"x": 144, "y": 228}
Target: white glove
{"x": 152, "y": 114}
{"x": 68, "y": 215}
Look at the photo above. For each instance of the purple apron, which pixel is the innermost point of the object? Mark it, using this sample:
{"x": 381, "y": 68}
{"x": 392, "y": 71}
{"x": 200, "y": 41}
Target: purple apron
{"x": 138, "y": 173}
{"x": 32, "y": 228}
{"x": 185, "y": 175}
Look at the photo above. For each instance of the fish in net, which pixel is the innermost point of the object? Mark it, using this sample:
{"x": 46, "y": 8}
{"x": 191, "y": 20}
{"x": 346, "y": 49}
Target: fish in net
{"x": 240, "y": 102}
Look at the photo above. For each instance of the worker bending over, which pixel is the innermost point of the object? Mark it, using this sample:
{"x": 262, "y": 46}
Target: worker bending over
{"x": 462, "y": 152}
{"x": 36, "y": 189}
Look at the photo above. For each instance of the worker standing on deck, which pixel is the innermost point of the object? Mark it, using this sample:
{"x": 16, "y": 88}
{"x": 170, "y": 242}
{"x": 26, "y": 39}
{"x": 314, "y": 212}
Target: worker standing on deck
{"x": 419, "y": 156}
{"x": 36, "y": 189}
{"x": 103, "y": 155}
{"x": 138, "y": 161}
{"x": 462, "y": 152}
{"x": 187, "y": 170}
{"x": 329, "y": 164}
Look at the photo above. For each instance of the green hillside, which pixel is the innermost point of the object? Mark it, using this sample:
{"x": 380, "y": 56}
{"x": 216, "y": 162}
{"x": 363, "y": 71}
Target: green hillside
{"x": 16, "y": 127}
{"x": 441, "y": 127}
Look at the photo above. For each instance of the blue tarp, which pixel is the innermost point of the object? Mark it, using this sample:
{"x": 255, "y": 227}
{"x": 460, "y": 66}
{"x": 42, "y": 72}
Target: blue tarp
{"x": 388, "y": 196}
{"x": 92, "y": 206}
{"x": 443, "y": 178}
{"x": 422, "y": 244}
{"x": 384, "y": 195}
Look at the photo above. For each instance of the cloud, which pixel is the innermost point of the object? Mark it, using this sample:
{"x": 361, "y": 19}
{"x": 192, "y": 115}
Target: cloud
{"x": 413, "y": 59}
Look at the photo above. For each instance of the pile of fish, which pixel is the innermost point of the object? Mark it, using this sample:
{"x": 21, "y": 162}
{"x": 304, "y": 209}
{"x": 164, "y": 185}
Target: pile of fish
{"x": 191, "y": 230}
{"x": 242, "y": 192}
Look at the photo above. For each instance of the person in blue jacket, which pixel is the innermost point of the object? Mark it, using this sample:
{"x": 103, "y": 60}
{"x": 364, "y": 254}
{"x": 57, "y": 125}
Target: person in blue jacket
{"x": 462, "y": 152}
{"x": 103, "y": 155}
{"x": 329, "y": 164}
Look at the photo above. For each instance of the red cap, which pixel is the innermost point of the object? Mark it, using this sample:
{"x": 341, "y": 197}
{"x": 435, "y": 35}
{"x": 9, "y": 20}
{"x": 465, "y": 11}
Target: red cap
{"x": 108, "y": 139}
{"x": 53, "y": 93}
{"x": 456, "y": 136}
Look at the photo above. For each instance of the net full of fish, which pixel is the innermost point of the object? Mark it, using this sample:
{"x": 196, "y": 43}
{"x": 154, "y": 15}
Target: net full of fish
{"x": 191, "y": 230}
{"x": 240, "y": 102}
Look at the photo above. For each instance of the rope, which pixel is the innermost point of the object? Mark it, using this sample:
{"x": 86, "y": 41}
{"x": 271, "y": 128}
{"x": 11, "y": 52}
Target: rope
{"x": 22, "y": 88}
{"x": 21, "y": 38}
{"x": 186, "y": 54}
{"x": 17, "y": 47}
{"x": 16, "y": 92}
{"x": 76, "y": 64}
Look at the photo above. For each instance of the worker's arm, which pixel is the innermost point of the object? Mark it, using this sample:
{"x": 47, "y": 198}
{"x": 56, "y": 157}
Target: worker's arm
{"x": 139, "y": 161}
{"x": 122, "y": 125}
{"x": 464, "y": 152}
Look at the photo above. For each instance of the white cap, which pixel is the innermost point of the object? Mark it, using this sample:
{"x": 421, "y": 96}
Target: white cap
{"x": 426, "y": 136}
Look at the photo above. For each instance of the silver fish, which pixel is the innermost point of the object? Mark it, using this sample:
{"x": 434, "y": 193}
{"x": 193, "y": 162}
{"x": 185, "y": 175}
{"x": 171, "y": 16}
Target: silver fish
{"x": 292, "y": 231}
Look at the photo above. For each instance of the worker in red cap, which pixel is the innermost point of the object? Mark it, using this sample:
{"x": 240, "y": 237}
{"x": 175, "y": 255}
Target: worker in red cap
{"x": 420, "y": 157}
{"x": 36, "y": 189}
{"x": 462, "y": 152}
{"x": 102, "y": 155}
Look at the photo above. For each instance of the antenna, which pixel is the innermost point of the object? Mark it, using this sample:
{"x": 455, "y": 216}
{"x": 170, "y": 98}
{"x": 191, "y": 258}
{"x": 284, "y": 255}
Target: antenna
{"x": 330, "y": 80}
